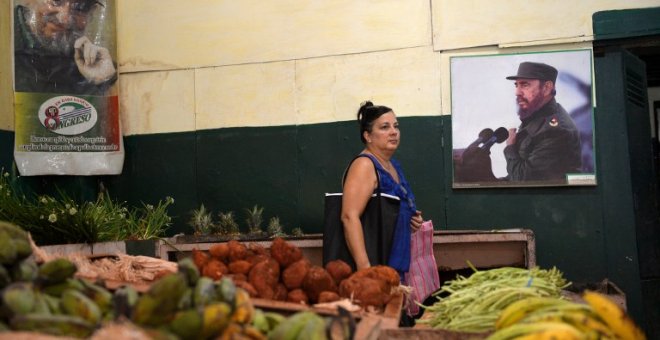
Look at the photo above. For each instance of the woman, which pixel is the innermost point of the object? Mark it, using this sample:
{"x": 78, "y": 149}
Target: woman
{"x": 379, "y": 132}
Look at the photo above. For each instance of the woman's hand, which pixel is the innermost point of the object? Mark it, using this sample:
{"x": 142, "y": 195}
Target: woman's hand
{"x": 416, "y": 221}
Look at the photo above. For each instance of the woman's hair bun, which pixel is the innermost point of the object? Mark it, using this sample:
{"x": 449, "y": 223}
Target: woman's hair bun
{"x": 366, "y": 104}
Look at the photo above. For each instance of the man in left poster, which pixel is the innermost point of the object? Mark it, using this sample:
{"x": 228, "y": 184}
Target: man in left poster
{"x": 53, "y": 54}
{"x": 65, "y": 77}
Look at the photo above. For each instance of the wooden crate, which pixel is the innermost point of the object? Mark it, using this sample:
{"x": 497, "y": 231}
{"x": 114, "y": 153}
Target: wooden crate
{"x": 452, "y": 248}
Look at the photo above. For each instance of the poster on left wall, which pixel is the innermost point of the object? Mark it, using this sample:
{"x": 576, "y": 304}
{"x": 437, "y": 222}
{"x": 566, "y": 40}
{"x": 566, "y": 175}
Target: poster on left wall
{"x": 66, "y": 103}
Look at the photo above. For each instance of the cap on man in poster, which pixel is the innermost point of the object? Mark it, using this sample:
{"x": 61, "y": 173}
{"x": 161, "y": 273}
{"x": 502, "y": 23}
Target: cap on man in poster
{"x": 52, "y": 51}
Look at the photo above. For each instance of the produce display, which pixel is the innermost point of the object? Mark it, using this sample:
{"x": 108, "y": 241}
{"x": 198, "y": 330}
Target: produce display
{"x": 553, "y": 318}
{"x": 283, "y": 274}
{"x": 474, "y": 303}
{"x": 46, "y": 298}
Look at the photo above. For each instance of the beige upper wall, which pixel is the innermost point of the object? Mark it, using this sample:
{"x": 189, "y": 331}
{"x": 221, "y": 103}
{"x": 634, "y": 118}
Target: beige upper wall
{"x": 6, "y": 73}
{"x": 317, "y": 90}
{"x": 472, "y": 23}
{"x": 197, "y": 65}
{"x": 175, "y": 34}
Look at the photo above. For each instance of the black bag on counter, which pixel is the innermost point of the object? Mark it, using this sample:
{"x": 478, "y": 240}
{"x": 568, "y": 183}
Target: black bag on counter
{"x": 378, "y": 224}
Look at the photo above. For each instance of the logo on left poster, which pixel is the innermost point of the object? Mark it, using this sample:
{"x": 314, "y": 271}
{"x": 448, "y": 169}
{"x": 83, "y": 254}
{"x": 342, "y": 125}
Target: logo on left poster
{"x": 67, "y": 115}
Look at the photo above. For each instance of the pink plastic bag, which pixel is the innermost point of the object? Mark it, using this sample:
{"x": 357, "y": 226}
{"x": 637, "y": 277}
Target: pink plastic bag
{"x": 423, "y": 273}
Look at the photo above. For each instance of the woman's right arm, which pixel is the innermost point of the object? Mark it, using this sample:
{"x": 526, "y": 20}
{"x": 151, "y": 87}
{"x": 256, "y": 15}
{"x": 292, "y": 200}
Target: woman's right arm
{"x": 360, "y": 184}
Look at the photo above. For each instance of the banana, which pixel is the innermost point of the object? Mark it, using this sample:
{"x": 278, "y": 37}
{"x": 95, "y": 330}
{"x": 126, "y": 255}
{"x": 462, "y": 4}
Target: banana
{"x": 204, "y": 292}
{"x": 124, "y": 300}
{"x": 290, "y": 328}
{"x": 589, "y": 324}
{"x": 243, "y": 310}
{"x": 56, "y": 271}
{"x": 518, "y": 330}
{"x": 553, "y": 334}
{"x": 57, "y": 289}
{"x": 519, "y": 309}
{"x": 613, "y": 316}
{"x": 314, "y": 329}
{"x": 62, "y": 325}
{"x": 15, "y": 232}
{"x": 274, "y": 319}
{"x": 226, "y": 290}
{"x": 584, "y": 320}
{"x": 53, "y": 303}
{"x": 260, "y": 322}
{"x": 19, "y": 239}
{"x": 41, "y": 304}
{"x": 169, "y": 287}
{"x": 19, "y": 298}
{"x": 8, "y": 252}
{"x": 24, "y": 270}
{"x": 146, "y": 311}
{"x": 161, "y": 301}
{"x": 187, "y": 324}
{"x": 189, "y": 270}
{"x": 5, "y": 278}
{"x": 231, "y": 332}
{"x": 252, "y": 333}
{"x": 101, "y": 296}
{"x": 215, "y": 319}
{"x": 77, "y": 304}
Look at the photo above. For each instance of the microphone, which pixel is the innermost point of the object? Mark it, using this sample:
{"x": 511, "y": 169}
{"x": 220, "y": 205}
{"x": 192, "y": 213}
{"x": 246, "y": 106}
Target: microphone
{"x": 499, "y": 136}
{"x": 484, "y": 135}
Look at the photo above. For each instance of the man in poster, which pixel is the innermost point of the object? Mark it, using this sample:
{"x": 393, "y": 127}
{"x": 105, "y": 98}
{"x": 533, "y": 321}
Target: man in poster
{"x": 546, "y": 146}
{"x": 52, "y": 53}
{"x": 66, "y": 104}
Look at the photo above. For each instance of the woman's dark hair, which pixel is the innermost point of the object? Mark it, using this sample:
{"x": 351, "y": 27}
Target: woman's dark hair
{"x": 366, "y": 115}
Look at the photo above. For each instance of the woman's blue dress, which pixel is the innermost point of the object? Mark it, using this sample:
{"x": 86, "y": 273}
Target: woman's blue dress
{"x": 399, "y": 258}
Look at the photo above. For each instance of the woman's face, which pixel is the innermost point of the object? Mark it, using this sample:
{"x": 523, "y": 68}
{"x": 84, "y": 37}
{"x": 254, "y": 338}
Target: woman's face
{"x": 384, "y": 133}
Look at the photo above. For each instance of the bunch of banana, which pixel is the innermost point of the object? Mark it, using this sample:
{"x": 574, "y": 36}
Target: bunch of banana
{"x": 186, "y": 305}
{"x": 266, "y": 321}
{"x": 545, "y": 318}
{"x": 304, "y": 325}
{"x": 474, "y": 303}
{"x": 46, "y": 298}
{"x": 14, "y": 244}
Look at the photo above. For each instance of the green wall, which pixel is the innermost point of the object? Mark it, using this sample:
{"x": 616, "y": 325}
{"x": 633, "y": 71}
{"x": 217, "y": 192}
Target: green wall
{"x": 284, "y": 169}
{"x": 287, "y": 169}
